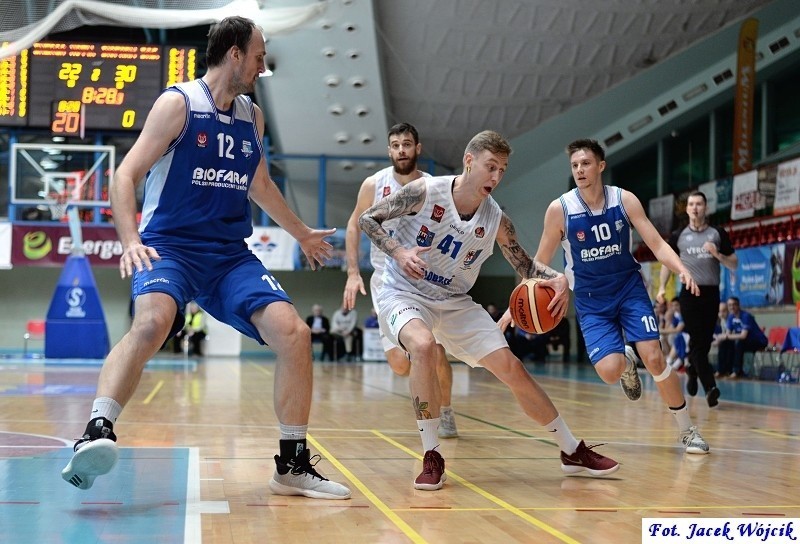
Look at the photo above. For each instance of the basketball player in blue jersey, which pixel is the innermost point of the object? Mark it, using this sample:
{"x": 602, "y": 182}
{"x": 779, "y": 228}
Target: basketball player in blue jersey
{"x": 404, "y": 149}
{"x": 202, "y": 146}
{"x": 593, "y": 223}
{"x": 446, "y": 228}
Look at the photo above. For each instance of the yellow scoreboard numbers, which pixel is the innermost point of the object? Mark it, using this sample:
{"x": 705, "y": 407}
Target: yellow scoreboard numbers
{"x": 73, "y": 87}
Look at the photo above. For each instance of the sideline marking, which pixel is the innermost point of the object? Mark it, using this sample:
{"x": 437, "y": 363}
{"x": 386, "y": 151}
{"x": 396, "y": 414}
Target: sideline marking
{"x": 154, "y": 392}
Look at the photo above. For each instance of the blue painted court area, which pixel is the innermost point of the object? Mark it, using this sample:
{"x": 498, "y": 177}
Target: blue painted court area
{"x": 143, "y": 499}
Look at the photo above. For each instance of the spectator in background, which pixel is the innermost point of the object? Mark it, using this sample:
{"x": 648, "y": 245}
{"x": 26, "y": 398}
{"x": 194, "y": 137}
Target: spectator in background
{"x": 524, "y": 344}
{"x": 193, "y": 332}
{"x": 676, "y": 338}
{"x": 723, "y": 343}
{"x": 321, "y": 331}
{"x": 747, "y": 336}
{"x": 346, "y": 334}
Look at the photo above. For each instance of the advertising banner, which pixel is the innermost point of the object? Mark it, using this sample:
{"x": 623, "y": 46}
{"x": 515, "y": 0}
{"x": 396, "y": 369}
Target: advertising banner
{"x": 274, "y": 247}
{"x": 759, "y": 276}
{"x": 745, "y": 187}
{"x": 787, "y": 190}
{"x": 45, "y": 245}
{"x": 744, "y": 97}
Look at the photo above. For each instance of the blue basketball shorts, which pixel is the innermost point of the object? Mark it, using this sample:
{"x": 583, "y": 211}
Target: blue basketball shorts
{"x": 226, "y": 280}
{"x": 604, "y": 320}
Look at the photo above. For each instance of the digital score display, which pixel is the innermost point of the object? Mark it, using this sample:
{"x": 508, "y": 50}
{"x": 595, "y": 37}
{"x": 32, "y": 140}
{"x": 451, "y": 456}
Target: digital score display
{"x": 75, "y": 87}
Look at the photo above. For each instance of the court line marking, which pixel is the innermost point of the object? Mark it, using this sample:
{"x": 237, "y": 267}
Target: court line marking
{"x": 486, "y": 495}
{"x": 260, "y": 368}
{"x": 192, "y": 528}
{"x": 154, "y": 392}
{"x": 379, "y": 504}
{"x": 776, "y": 434}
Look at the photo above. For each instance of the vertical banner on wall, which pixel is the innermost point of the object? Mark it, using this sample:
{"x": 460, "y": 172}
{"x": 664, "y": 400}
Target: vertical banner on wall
{"x": 274, "y": 247}
{"x": 745, "y": 187}
{"x": 787, "y": 187}
{"x": 744, "y": 97}
{"x": 765, "y": 194}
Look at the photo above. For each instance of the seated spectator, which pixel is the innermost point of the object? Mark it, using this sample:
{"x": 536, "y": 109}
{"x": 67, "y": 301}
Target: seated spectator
{"x": 725, "y": 346}
{"x": 558, "y": 340}
{"x": 678, "y": 340}
{"x": 346, "y": 334}
{"x": 747, "y": 336}
{"x": 193, "y": 332}
{"x": 371, "y": 322}
{"x": 320, "y": 331}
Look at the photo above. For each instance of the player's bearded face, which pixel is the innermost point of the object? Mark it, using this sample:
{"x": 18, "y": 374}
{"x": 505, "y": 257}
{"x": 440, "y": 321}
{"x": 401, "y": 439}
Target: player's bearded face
{"x": 404, "y": 162}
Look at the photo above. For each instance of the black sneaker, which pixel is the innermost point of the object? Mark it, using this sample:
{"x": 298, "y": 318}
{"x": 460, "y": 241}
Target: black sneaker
{"x": 96, "y": 453}
{"x": 298, "y": 477}
{"x": 712, "y": 397}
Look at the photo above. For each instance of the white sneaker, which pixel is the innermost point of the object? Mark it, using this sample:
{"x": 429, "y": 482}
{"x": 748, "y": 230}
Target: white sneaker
{"x": 298, "y": 477}
{"x": 447, "y": 424}
{"x": 693, "y": 441}
{"x": 629, "y": 381}
{"x": 92, "y": 459}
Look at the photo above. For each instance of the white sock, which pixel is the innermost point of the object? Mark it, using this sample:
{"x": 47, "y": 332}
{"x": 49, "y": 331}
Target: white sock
{"x": 107, "y": 408}
{"x": 682, "y": 417}
{"x": 293, "y": 432}
{"x": 429, "y": 431}
{"x": 566, "y": 441}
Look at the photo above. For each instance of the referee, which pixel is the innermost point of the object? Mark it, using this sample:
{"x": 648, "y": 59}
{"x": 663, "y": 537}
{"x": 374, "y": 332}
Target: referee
{"x": 701, "y": 248}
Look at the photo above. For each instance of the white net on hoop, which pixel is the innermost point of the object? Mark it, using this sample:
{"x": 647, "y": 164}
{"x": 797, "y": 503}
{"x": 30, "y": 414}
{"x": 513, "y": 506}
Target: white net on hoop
{"x": 21, "y": 28}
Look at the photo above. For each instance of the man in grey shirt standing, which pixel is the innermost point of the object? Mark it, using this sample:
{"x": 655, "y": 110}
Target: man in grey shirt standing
{"x": 701, "y": 248}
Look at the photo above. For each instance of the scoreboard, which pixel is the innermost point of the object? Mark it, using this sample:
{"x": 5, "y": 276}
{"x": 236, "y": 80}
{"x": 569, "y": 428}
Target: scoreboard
{"x": 73, "y": 87}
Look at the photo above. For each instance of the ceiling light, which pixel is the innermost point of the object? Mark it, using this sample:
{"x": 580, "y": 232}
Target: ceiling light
{"x": 332, "y": 81}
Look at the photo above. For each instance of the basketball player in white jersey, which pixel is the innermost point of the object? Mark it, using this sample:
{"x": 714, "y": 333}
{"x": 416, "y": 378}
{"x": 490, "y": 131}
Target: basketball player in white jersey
{"x": 404, "y": 150}
{"x": 593, "y": 223}
{"x": 446, "y": 228}
{"x": 201, "y": 152}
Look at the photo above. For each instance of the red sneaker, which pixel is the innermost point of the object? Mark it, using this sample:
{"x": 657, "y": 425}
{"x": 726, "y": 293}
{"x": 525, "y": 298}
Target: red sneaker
{"x": 590, "y": 461}
{"x": 432, "y": 476}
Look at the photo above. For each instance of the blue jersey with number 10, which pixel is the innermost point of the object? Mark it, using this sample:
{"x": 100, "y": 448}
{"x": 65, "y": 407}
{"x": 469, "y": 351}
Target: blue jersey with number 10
{"x": 597, "y": 245}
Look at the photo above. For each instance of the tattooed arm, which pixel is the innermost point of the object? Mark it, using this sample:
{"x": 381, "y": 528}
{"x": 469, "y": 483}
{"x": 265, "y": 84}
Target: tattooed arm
{"x": 532, "y": 268}
{"x": 516, "y": 255}
{"x": 406, "y": 201}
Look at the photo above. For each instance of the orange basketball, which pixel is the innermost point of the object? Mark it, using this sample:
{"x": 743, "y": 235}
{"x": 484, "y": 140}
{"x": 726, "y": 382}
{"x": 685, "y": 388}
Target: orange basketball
{"x": 528, "y": 306}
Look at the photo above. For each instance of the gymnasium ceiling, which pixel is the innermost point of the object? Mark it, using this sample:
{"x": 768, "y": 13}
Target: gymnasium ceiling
{"x": 455, "y": 67}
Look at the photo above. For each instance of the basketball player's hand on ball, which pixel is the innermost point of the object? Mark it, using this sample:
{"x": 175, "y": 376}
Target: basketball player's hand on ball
{"x": 558, "y": 306}
{"x": 410, "y": 262}
{"x": 138, "y": 256}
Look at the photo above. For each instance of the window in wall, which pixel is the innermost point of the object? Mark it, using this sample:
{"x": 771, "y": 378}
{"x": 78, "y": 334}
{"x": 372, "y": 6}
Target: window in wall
{"x": 639, "y": 174}
{"x": 687, "y": 157}
{"x": 786, "y": 112}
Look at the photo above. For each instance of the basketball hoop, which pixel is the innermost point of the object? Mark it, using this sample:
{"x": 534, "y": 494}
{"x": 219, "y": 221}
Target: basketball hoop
{"x": 58, "y": 206}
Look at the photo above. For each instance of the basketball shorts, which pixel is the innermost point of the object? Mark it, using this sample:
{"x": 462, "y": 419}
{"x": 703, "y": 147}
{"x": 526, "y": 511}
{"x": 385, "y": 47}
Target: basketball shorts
{"x": 375, "y": 286}
{"x": 605, "y": 319}
{"x": 462, "y": 326}
{"x": 229, "y": 283}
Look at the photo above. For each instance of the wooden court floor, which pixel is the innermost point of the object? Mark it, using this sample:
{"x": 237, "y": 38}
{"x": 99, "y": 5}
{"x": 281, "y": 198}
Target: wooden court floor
{"x": 198, "y": 439}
